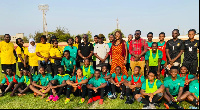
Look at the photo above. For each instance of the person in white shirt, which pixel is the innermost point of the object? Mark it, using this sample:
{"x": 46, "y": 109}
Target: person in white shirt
{"x": 101, "y": 52}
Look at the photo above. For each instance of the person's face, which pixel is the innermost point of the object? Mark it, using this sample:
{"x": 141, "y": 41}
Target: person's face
{"x": 117, "y": 35}
{"x": 32, "y": 43}
{"x": 70, "y": 41}
{"x": 184, "y": 70}
{"x": 136, "y": 71}
{"x": 96, "y": 39}
{"x": 118, "y": 71}
{"x": 60, "y": 71}
{"x": 97, "y": 74}
{"x": 42, "y": 71}
{"x": 43, "y": 40}
{"x": 100, "y": 40}
{"x": 149, "y": 36}
{"x": 86, "y": 63}
{"x": 76, "y": 39}
{"x": 55, "y": 44}
{"x": 137, "y": 34}
{"x": 154, "y": 47}
{"x": 85, "y": 38}
{"x": 161, "y": 37}
{"x": 9, "y": 71}
{"x": 7, "y": 38}
{"x": 79, "y": 72}
{"x": 25, "y": 72}
{"x": 191, "y": 34}
{"x": 111, "y": 38}
{"x": 130, "y": 37}
{"x": 174, "y": 34}
{"x": 53, "y": 40}
{"x": 66, "y": 55}
{"x": 104, "y": 69}
{"x": 21, "y": 42}
{"x": 174, "y": 72}
{"x": 151, "y": 76}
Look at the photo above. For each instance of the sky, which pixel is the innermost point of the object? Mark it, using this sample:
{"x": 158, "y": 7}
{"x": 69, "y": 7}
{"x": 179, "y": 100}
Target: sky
{"x": 99, "y": 16}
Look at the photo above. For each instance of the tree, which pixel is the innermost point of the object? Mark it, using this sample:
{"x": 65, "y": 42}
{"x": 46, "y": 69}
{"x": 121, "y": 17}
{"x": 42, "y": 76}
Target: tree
{"x": 25, "y": 39}
{"x": 113, "y": 33}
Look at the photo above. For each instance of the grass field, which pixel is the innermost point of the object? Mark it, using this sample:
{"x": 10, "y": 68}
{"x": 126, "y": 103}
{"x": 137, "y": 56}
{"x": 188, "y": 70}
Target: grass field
{"x": 30, "y": 102}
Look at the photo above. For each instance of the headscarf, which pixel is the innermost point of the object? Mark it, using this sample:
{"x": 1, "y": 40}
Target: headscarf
{"x": 31, "y": 48}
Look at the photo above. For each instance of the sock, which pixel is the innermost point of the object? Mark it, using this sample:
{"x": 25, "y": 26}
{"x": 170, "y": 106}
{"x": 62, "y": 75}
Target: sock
{"x": 139, "y": 99}
{"x": 175, "y": 105}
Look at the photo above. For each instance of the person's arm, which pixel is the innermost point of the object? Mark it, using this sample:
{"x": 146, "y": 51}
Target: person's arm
{"x": 25, "y": 59}
{"x": 95, "y": 54}
{"x": 159, "y": 65}
{"x": 180, "y": 93}
{"x": 20, "y": 56}
{"x": 103, "y": 85}
{"x": 74, "y": 70}
{"x": 83, "y": 82}
{"x": 15, "y": 54}
{"x": 61, "y": 85}
{"x": 90, "y": 55}
{"x": 39, "y": 55}
{"x": 160, "y": 90}
{"x": 107, "y": 77}
{"x": 145, "y": 49}
{"x": 112, "y": 81}
{"x": 131, "y": 49}
{"x": 144, "y": 93}
{"x": 126, "y": 53}
{"x": 147, "y": 66}
{"x": 79, "y": 53}
{"x": 56, "y": 58}
{"x": 168, "y": 56}
{"x": 139, "y": 85}
{"x": 89, "y": 86}
{"x": 168, "y": 93}
{"x": 69, "y": 82}
{"x": 181, "y": 52}
{"x": 36, "y": 85}
{"x": 195, "y": 96}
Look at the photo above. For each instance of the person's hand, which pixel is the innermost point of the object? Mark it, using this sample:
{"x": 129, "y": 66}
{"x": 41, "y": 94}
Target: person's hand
{"x": 151, "y": 95}
{"x": 95, "y": 89}
{"x": 132, "y": 86}
{"x": 110, "y": 62}
{"x": 187, "y": 82}
{"x": 53, "y": 87}
{"x": 25, "y": 64}
{"x": 150, "y": 99}
{"x": 118, "y": 85}
{"x": 158, "y": 73}
{"x": 29, "y": 74}
{"x": 173, "y": 99}
{"x": 125, "y": 61}
{"x": 178, "y": 99}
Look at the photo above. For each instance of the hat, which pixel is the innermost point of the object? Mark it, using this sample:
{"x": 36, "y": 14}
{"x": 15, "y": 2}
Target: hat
{"x": 101, "y": 36}
{"x": 54, "y": 37}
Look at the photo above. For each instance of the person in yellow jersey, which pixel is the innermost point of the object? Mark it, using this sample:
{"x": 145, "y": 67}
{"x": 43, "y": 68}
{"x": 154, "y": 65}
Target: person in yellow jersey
{"x": 20, "y": 54}
{"x": 76, "y": 44}
{"x": 56, "y": 57}
{"x": 32, "y": 57}
{"x": 152, "y": 91}
{"x": 88, "y": 70}
{"x": 42, "y": 51}
{"x": 7, "y": 54}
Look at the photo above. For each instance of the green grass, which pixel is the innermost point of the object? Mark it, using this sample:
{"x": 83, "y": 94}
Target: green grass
{"x": 30, "y": 102}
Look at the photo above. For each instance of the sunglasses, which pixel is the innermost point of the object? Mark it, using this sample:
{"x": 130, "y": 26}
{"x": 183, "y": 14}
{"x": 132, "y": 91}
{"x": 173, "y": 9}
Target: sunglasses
{"x": 137, "y": 33}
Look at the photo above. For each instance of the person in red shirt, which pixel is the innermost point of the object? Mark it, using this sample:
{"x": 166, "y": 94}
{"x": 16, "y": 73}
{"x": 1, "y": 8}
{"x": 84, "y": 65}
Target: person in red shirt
{"x": 137, "y": 48}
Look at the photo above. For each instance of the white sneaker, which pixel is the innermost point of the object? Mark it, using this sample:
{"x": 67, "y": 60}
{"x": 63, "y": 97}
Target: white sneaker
{"x": 152, "y": 106}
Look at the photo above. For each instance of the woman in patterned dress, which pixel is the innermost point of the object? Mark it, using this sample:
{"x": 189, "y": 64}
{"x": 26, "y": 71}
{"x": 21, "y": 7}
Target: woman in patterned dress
{"x": 118, "y": 54}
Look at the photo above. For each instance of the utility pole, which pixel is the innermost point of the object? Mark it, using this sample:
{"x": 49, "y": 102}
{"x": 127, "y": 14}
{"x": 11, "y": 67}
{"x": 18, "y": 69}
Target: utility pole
{"x": 117, "y": 24}
{"x": 44, "y": 9}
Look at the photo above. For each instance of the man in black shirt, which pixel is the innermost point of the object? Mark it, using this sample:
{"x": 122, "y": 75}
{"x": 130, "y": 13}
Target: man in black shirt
{"x": 85, "y": 50}
{"x": 174, "y": 49}
{"x": 190, "y": 52}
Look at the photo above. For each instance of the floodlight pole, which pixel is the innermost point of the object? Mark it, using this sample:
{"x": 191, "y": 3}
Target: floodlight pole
{"x": 44, "y": 9}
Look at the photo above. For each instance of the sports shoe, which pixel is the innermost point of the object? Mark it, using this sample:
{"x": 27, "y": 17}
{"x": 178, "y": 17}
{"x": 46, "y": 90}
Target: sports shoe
{"x": 82, "y": 100}
{"x": 101, "y": 101}
{"x": 166, "y": 105}
{"x": 90, "y": 101}
{"x": 121, "y": 97}
{"x": 67, "y": 100}
{"x": 50, "y": 98}
{"x": 146, "y": 107}
{"x": 55, "y": 98}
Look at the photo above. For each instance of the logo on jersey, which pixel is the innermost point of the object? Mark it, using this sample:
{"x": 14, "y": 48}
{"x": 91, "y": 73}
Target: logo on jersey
{"x": 178, "y": 44}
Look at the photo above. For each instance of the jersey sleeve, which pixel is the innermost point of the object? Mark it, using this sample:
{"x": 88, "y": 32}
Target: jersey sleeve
{"x": 3, "y": 81}
{"x": 142, "y": 79}
{"x": 62, "y": 62}
{"x": 55, "y": 77}
{"x": 73, "y": 78}
{"x": 84, "y": 78}
{"x": 124, "y": 77}
{"x": 159, "y": 83}
{"x": 166, "y": 84}
{"x": 21, "y": 80}
{"x": 95, "y": 49}
{"x": 182, "y": 83}
{"x": 191, "y": 87}
{"x": 143, "y": 86}
{"x": 26, "y": 51}
{"x": 37, "y": 48}
{"x": 90, "y": 81}
{"x": 167, "y": 45}
{"x": 182, "y": 45}
{"x": 74, "y": 62}
{"x": 52, "y": 53}
{"x": 190, "y": 76}
{"x": 160, "y": 54}
{"x": 103, "y": 80}
{"x": 113, "y": 75}
{"x": 129, "y": 78}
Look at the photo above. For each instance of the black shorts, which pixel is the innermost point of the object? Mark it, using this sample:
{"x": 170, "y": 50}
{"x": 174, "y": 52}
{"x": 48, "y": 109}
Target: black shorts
{"x": 191, "y": 66}
{"x": 153, "y": 68}
{"x": 5, "y": 66}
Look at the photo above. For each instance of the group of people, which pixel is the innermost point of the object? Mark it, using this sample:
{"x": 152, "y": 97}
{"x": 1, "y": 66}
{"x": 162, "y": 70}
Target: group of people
{"x": 101, "y": 69}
